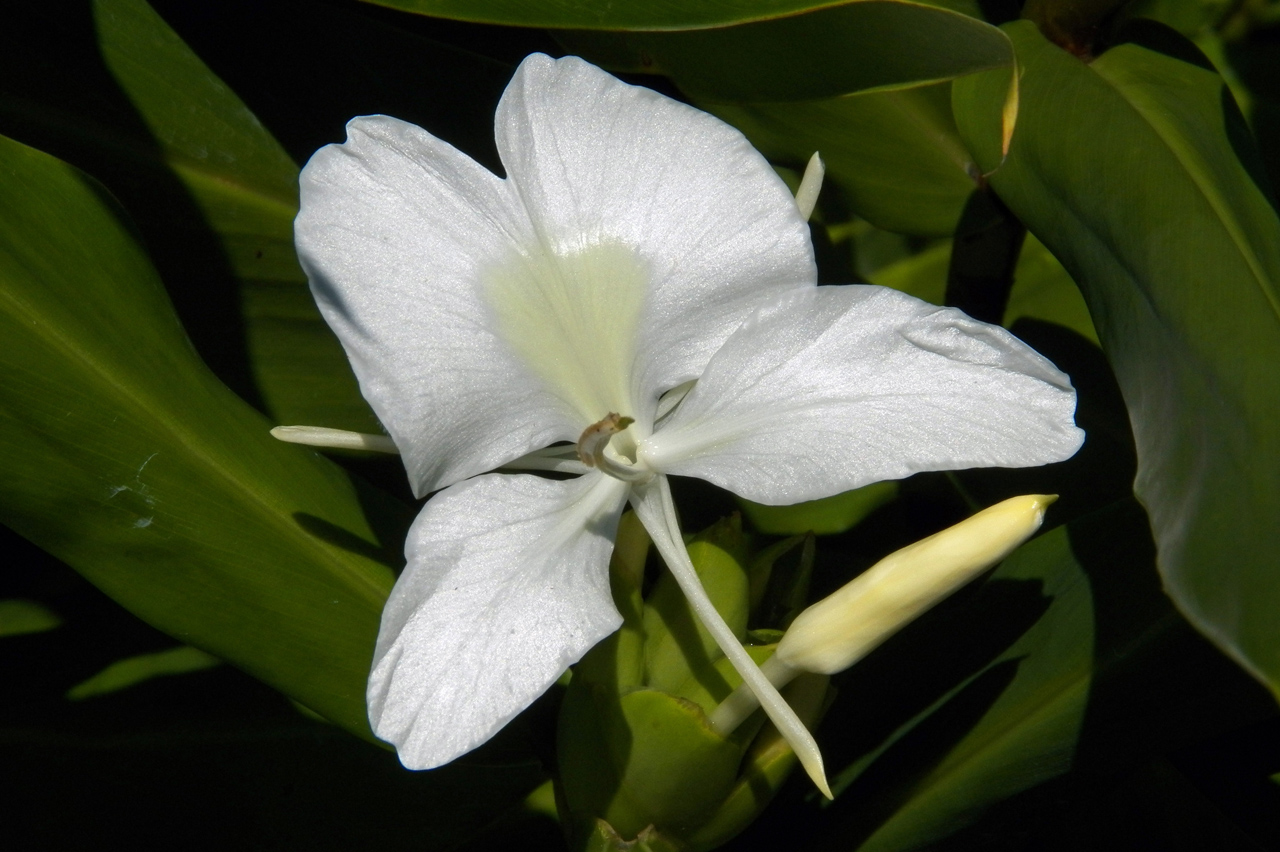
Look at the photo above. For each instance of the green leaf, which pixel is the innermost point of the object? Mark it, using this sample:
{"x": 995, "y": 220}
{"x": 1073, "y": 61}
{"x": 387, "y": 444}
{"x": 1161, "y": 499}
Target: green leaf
{"x": 1137, "y": 171}
{"x": 19, "y": 617}
{"x": 157, "y": 124}
{"x": 608, "y": 15}
{"x": 828, "y": 516}
{"x": 642, "y": 759}
{"x": 125, "y": 457}
{"x": 1036, "y": 691}
{"x": 765, "y": 767}
{"x": 896, "y": 155}
{"x": 923, "y": 275}
{"x": 855, "y": 46}
{"x": 1042, "y": 289}
{"x": 675, "y": 769}
{"x": 125, "y": 673}
{"x": 618, "y": 660}
{"x": 247, "y": 188}
{"x": 680, "y": 654}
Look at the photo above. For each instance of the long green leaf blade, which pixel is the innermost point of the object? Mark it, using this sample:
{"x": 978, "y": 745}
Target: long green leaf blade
{"x": 124, "y": 456}
{"x": 837, "y": 49}
{"x": 1137, "y": 172}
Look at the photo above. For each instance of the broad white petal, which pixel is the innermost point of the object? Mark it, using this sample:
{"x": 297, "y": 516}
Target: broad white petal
{"x": 693, "y": 228}
{"x": 507, "y": 585}
{"x": 395, "y": 231}
{"x": 838, "y": 387}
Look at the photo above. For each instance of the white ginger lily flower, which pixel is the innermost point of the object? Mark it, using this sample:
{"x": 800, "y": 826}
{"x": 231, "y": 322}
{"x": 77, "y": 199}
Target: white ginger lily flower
{"x": 635, "y": 246}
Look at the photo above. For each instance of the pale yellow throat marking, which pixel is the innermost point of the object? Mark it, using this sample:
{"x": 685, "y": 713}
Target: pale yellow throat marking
{"x": 572, "y": 316}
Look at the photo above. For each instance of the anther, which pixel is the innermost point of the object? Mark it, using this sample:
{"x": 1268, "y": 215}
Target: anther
{"x": 595, "y": 439}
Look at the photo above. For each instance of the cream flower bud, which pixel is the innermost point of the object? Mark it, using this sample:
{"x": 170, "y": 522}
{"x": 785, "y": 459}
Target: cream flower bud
{"x": 841, "y": 629}
{"x": 844, "y": 627}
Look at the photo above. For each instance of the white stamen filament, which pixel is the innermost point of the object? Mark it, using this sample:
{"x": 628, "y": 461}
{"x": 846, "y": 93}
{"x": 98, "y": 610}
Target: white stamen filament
{"x": 810, "y": 186}
{"x": 338, "y": 439}
{"x": 562, "y": 459}
{"x": 656, "y": 510}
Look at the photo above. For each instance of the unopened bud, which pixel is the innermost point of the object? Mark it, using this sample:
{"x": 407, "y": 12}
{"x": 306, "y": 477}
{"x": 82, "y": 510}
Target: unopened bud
{"x": 810, "y": 186}
{"x": 841, "y": 629}
{"x": 338, "y": 439}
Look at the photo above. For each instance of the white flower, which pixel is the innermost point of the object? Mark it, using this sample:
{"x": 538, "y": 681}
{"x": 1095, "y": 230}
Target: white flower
{"x": 636, "y": 245}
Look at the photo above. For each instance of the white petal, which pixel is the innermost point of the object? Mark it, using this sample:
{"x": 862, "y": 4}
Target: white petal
{"x": 604, "y": 166}
{"x": 507, "y": 585}
{"x": 395, "y": 231}
{"x": 838, "y": 387}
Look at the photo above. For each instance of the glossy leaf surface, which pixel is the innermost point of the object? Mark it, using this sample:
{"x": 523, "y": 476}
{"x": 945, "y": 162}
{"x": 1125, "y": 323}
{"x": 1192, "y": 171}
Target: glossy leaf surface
{"x": 178, "y": 123}
{"x": 896, "y": 155}
{"x": 605, "y": 15}
{"x": 1172, "y": 234}
{"x": 126, "y": 458}
{"x": 856, "y": 46}
{"x": 247, "y": 188}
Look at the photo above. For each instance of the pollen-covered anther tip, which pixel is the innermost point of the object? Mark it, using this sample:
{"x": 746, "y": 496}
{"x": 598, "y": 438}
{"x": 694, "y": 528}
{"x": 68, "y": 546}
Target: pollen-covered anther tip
{"x": 596, "y": 437}
{"x": 595, "y": 440}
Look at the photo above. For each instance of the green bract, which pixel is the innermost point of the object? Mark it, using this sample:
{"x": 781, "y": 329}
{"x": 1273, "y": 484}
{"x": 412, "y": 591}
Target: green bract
{"x": 636, "y": 750}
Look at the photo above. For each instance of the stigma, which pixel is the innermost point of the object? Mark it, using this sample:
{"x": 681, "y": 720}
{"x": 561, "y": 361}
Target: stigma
{"x": 595, "y": 450}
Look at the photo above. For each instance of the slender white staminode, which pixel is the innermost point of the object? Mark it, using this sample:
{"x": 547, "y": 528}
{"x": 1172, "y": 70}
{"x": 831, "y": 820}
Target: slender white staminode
{"x": 841, "y": 629}
{"x": 651, "y": 497}
{"x": 810, "y": 185}
{"x": 338, "y": 439}
{"x": 657, "y": 512}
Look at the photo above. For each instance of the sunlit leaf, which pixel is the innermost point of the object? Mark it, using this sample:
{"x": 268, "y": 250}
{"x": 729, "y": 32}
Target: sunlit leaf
{"x": 247, "y": 188}
{"x": 896, "y": 155}
{"x": 164, "y": 128}
{"x": 1170, "y": 230}
{"x": 607, "y": 15}
{"x": 126, "y": 458}
{"x": 855, "y": 46}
